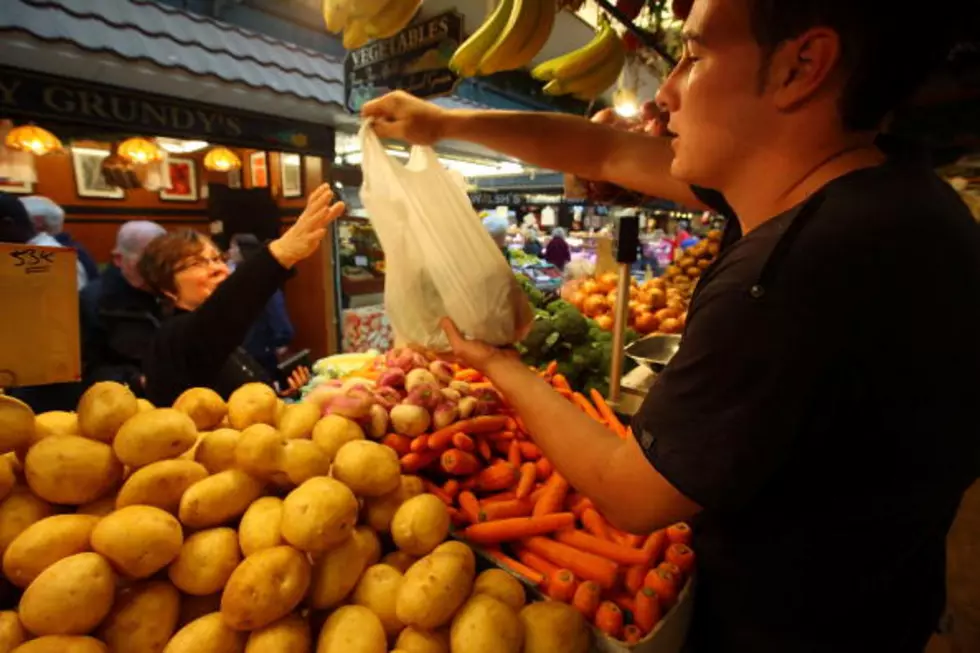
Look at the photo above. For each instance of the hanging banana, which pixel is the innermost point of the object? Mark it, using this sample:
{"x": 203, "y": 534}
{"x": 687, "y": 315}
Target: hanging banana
{"x": 363, "y": 20}
{"x": 587, "y": 72}
{"x": 509, "y": 38}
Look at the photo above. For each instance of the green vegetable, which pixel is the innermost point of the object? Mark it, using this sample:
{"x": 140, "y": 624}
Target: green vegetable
{"x": 541, "y": 338}
{"x": 558, "y": 306}
{"x": 572, "y": 325}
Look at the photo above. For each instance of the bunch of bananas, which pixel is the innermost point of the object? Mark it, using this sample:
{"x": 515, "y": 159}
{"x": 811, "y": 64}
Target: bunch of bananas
{"x": 587, "y": 72}
{"x": 363, "y": 20}
{"x": 510, "y": 36}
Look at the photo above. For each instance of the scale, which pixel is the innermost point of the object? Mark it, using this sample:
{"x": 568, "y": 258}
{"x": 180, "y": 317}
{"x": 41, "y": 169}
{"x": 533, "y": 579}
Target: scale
{"x": 627, "y": 392}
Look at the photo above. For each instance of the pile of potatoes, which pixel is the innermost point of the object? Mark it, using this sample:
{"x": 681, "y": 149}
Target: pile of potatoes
{"x": 245, "y": 526}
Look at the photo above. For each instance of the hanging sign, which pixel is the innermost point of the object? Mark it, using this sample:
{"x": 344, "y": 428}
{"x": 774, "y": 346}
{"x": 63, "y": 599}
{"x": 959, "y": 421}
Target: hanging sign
{"x": 414, "y": 60}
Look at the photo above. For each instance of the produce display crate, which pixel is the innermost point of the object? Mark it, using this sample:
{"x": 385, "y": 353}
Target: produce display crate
{"x": 667, "y": 637}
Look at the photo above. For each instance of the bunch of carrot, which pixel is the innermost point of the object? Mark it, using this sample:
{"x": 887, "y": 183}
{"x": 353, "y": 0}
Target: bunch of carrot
{"x": 505, "y": 497}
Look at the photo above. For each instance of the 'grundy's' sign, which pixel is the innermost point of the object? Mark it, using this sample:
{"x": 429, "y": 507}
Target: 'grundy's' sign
{"x": 37, "y": 97}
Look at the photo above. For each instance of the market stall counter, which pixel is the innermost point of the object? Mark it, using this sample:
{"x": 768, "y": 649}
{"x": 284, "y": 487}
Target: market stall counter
{"x": 132, "y": 527}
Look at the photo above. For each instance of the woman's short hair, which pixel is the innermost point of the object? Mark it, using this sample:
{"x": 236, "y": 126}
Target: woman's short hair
{"x": 163, "y": 256}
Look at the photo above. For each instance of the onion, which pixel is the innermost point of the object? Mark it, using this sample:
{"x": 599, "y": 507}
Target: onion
{"x": 387, "y": 397}
{"x": 427, "y": 396}
{"x": 462, "y": 387}
{"x": 419, "y": 377}
{"x": 323, "y": 394}
{"x": 489, "y": 401}
{"x": 409, "y": 420}
{"x": 378, "y": 422}
{"x": 392, "y": 377}
{"x": 450, "y": 394}
{"x": 442, "y": 371}
{"x": 445, "y": 414}
{"x": 466, "y": 407}
{"x": 350, "y": 406}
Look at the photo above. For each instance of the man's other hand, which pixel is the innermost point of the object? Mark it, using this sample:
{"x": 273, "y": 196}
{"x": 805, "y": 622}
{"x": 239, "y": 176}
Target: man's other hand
{"x": 475, "y": 353}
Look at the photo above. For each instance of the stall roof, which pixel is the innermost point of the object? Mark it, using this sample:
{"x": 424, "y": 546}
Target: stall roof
{"x": 148, "y": 32}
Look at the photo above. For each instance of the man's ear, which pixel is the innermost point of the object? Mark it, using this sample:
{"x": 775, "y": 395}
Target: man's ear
{"x": 801, "y": 68}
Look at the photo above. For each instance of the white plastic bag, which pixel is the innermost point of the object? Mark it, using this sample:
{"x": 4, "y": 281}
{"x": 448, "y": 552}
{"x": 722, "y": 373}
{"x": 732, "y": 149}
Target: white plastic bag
{"x": 440, "y": 261}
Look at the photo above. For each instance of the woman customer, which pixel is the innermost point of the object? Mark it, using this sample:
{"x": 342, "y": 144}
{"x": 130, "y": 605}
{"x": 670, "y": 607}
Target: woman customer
{"x": 212, "y": 310}
{"x": 557, "y": 252}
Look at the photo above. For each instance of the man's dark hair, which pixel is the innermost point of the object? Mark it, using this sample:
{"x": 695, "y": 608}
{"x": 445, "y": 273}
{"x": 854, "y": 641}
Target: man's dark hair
{"x": 886, "y": 51}
{"x": 15, "y": 223}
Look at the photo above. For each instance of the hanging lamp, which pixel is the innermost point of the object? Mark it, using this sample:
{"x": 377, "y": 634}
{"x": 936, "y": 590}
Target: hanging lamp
{"x": 139, "y": 150}
{"x": 221, "y": 159}
{"x": 34, "y": 139}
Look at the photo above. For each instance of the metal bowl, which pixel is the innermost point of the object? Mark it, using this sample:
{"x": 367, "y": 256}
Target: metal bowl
{"x": 654, "y": 351}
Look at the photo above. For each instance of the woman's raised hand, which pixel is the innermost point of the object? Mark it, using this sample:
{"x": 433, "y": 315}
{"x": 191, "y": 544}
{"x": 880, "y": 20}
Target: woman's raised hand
{"x": 305, "y": 236}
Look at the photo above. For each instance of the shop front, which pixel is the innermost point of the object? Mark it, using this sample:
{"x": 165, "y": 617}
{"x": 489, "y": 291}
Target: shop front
{"x": 267, "y": 105}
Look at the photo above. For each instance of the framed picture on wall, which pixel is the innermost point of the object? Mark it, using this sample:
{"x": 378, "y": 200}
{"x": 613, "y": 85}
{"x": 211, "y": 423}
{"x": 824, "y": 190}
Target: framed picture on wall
{"x": 291, "y": 174}
{"x": 89, "y": 178}
{"x": 258, "y": 168}
{"x": 183, "y": 181}
{"x": 16, "y": 187}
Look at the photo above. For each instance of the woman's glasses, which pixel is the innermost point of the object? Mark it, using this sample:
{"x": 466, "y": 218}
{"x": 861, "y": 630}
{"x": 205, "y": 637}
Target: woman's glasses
{"x": 201, "y": 261}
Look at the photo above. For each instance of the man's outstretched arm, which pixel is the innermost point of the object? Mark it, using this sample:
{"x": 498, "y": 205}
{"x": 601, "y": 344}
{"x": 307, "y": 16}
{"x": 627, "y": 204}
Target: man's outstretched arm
{"x": 555, "y": 141}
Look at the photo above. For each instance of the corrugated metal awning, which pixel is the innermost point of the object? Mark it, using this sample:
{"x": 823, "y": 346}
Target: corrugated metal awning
{"x": 153, "y": 47}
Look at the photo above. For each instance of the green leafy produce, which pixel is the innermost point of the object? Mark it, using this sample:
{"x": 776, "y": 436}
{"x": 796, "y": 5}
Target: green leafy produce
{"x": 572, "y": 325}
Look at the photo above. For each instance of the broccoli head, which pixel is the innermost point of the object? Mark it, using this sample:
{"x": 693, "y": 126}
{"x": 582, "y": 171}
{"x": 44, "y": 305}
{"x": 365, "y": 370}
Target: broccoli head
{"x": 541, "y": 338}
{"x": 572, "y": 326}
{"x": 558, "y": 306}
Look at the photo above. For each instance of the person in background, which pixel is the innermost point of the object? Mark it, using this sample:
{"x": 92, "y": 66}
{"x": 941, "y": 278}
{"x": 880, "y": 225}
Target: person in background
{"x": 49, "y": 220}
{"x": 532, "y": 236}
{"x": 268, "y": 338}
{"x": 557, "y": 252}
{"x": 496, "y": 226}
{"x": 119, "y": 315}
{"x": 211, "y": 310}
{"x": 15, "y": 224}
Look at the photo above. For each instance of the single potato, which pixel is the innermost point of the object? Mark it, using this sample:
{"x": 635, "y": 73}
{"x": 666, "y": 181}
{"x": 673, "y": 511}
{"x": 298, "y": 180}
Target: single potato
{"x": 44, "y": 543}
{"x": 216, "y": 450}
{"x": 144, "y": 404}
{"x": 253, "y": 403}
{"x": 304, "y": 459}
{"x": 62, "y": 644}
{"x": 453, "y": 547}
{"x": 138, "y": 540}
{"x": 17, "y": 424}
{"x": 70, "y": 469}
{"x": 12, "y": 632}
{"x": 369, "y": 543}
{"x": 336, "y": 573}
{"x": 413, "y": 640}
{"x": 291, "y": 634}
{"x": 160, "y": 484}
{"x": 218, "y": 499}
{"x": 485, "y": 625}
{"x": 501, "y": 586}
{"x": 352, "y": 629}
{"x": 377, "y": 590}
{"x": 265, "y": 588}
{"x": 143, "y": 618}
{"x": 399, "y": 560}
{"x": 71, "y": 597}
{"x": 260, "y": 451}
{"x": 555, "y": 626}
{"x": 333, "y": 431}
{"x": 19, "y": 510}
{"x": 420, "y": 524}
{"x": 206, "y": 561}
{"x": 432, "y": 590}
{"x": 104, "y": 408}
{"x": 368, "y": 468}
{"x": 204, "y": 406}
{"x": 208, "y": 633}
{"x": 55, "y": 422}
{"x": 157, "y": 434}
{"x": 319, "y": 514}
{"x": 261, "y": 526}
{"x": 379, "y": 511}
{"x": 297, "y": 420}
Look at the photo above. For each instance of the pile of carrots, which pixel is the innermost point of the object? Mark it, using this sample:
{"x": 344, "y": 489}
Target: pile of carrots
{"x": 505, "y": 498}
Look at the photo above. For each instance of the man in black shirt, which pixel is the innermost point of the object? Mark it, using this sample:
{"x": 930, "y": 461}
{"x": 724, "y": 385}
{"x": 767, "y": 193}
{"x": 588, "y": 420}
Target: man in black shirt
{"x": 818, "y": 420}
